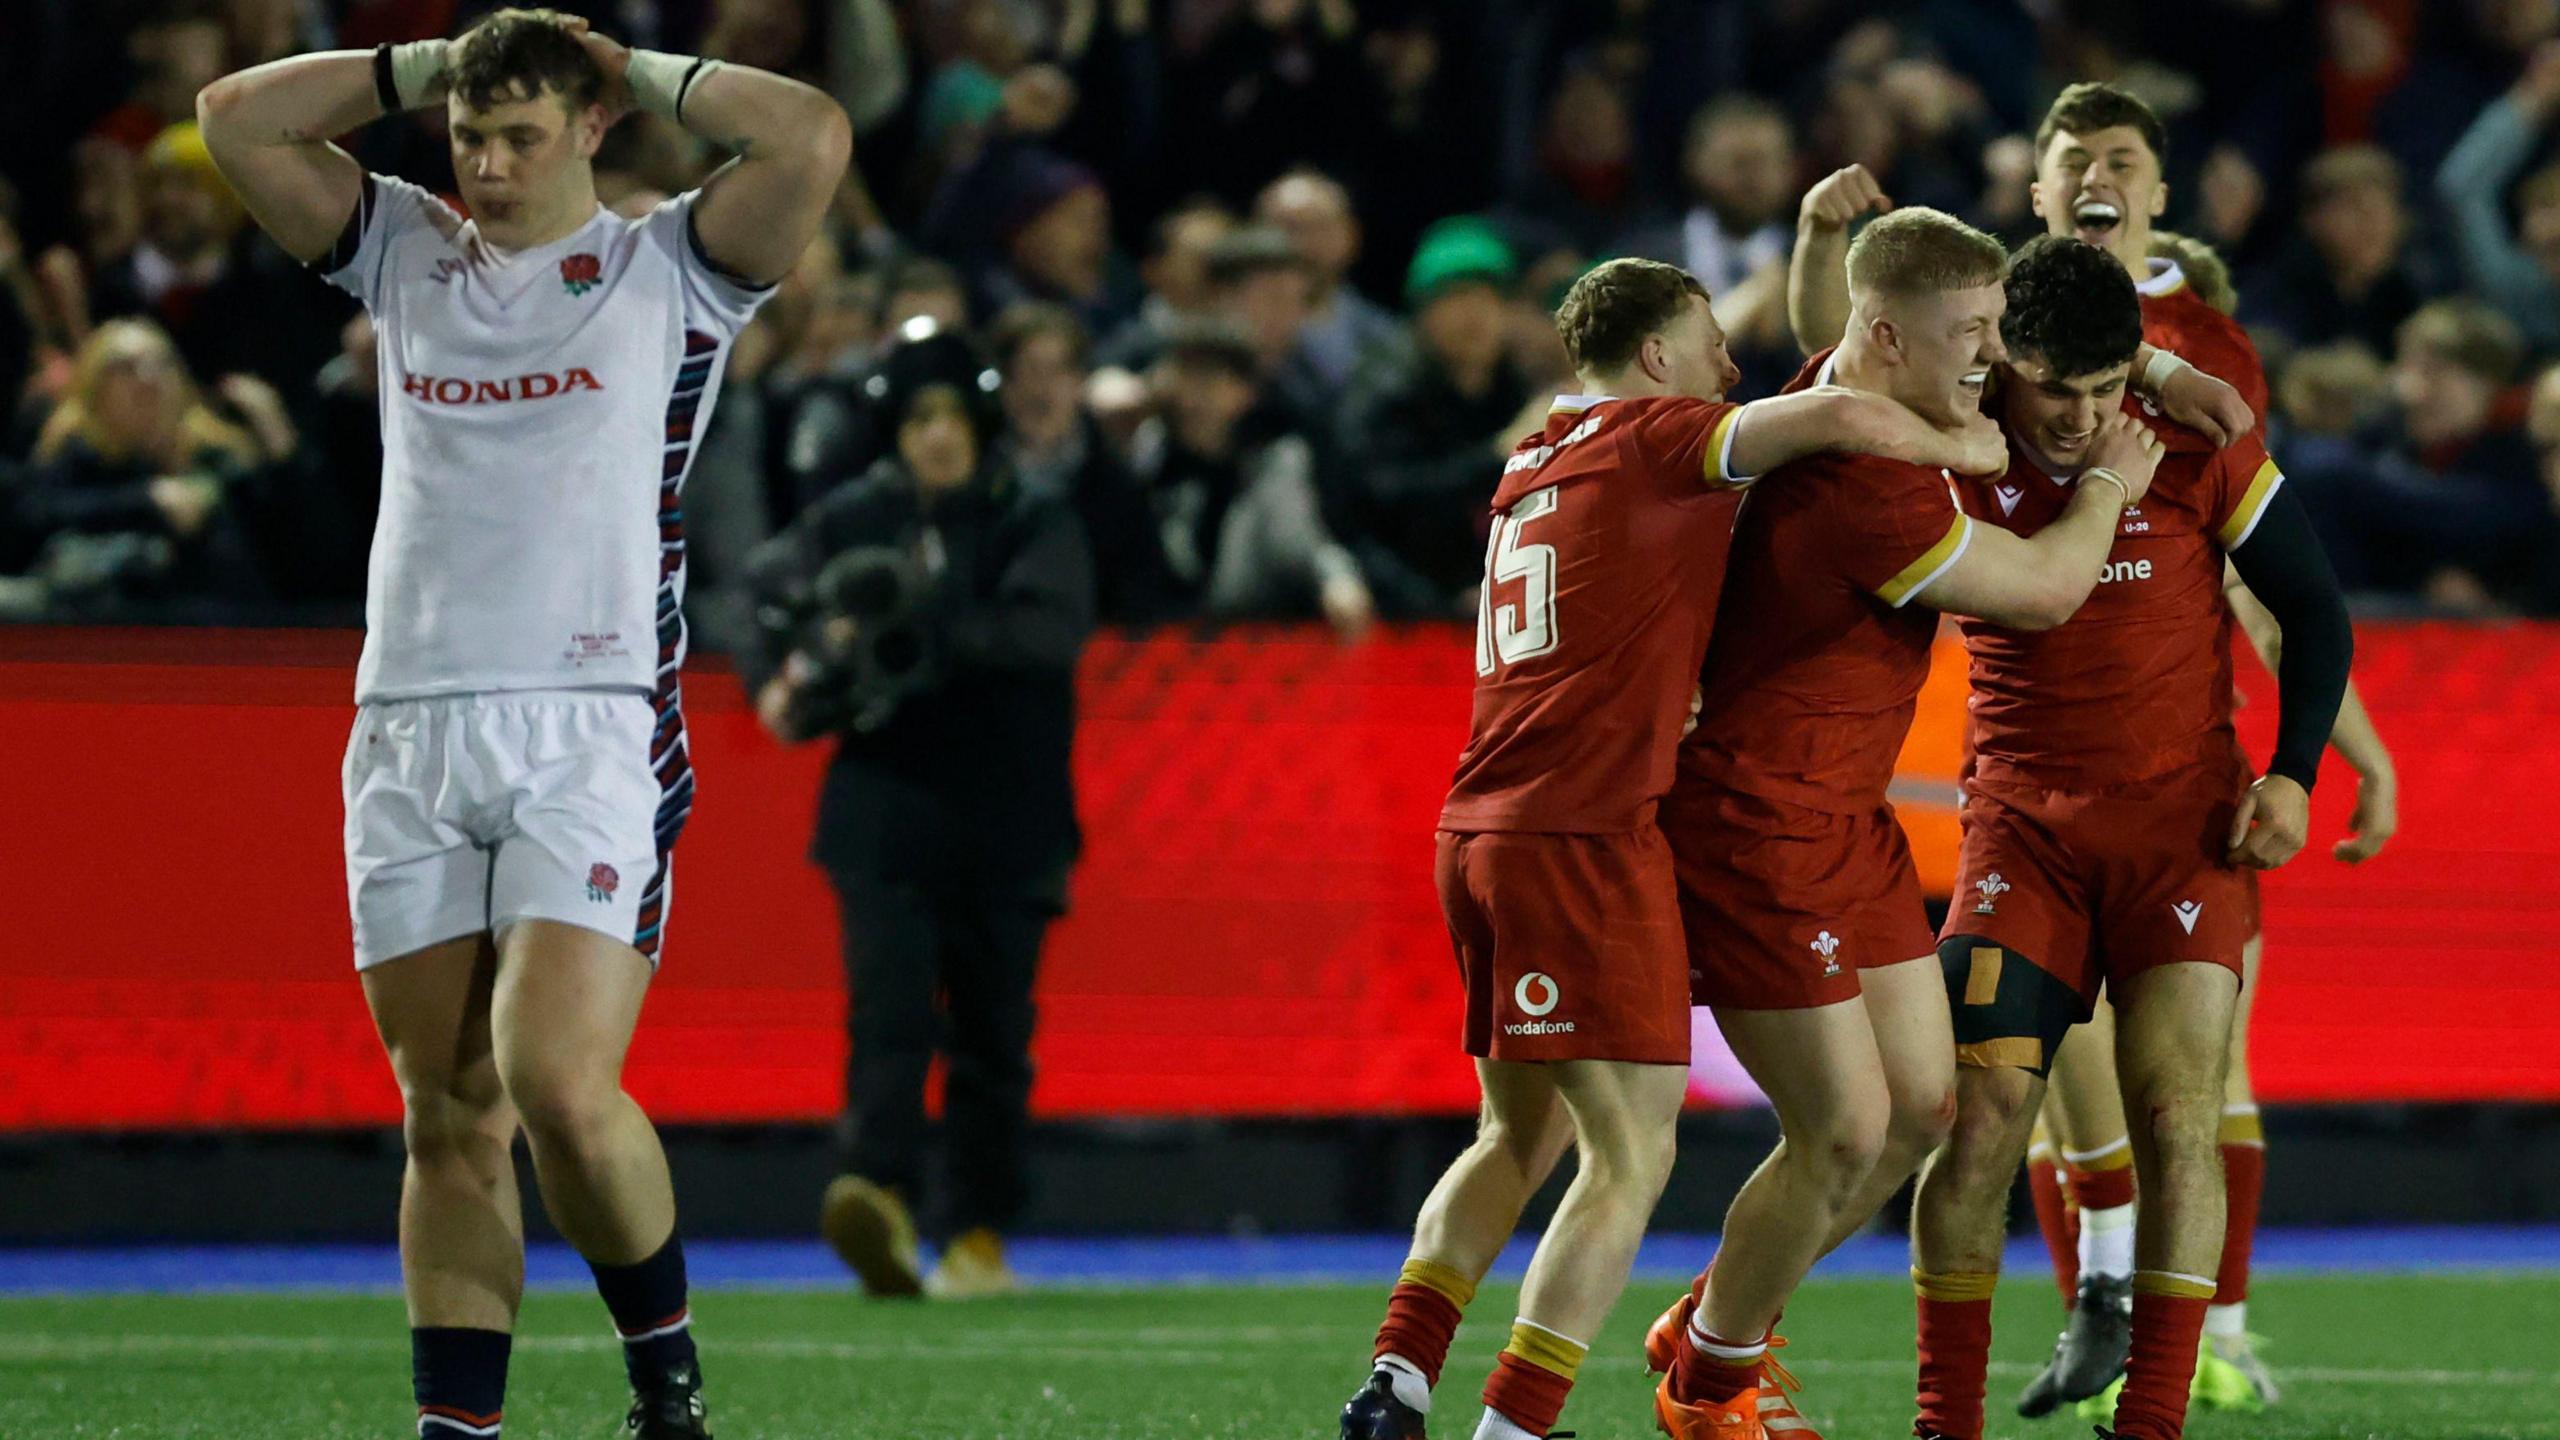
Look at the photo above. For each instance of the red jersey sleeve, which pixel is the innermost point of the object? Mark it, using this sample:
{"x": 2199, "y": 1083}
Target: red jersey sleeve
{"x": 2244, "y": 478}
{"x": 1690, "y": 438}
{"x": 1897, "y": 528}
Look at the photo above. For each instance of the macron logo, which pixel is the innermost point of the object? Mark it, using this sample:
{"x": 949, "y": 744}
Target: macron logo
{"x": 447, "y": 390}
{"x": 2187, "y": 911}
{"x": 2009, "y": 496}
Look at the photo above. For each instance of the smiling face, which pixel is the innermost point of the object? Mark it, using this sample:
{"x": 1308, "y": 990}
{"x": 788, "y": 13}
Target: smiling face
{"x": 525, "y": 166}
{"x": 2103, "y": 187}
{"x": 2057, "y": 416}
{"x": 1944, "y": 346}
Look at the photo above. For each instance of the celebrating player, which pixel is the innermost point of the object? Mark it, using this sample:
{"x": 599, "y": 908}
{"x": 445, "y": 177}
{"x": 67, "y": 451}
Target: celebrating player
{"x": 1802, "y": 911}
{"x": 2100, "y": 156}
{"x": 517, "y": 773}
{"x": 1601, "y": 580}
{"x": 2106, "y": 828}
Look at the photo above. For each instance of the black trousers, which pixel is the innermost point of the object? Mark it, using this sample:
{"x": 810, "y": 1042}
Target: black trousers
{"x": 946, "y": 970}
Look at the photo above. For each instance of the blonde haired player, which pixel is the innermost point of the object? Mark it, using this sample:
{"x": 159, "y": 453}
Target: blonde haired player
{"x": 518, "y": 771}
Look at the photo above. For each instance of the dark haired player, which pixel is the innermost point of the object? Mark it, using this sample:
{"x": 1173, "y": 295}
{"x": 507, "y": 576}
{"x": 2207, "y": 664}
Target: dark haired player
{"x": 2109, "y": 830}
{"x": 1601, "y": 578}
{"x": 518, "y": 772}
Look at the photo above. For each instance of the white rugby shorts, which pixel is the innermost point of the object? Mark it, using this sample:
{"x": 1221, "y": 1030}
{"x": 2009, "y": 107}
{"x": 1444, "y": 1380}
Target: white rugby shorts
{"x": 467, "y": 813}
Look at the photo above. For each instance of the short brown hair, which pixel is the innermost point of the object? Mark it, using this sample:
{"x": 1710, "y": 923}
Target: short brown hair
{"x": 516, "y": 55}
{"x": 1919, "y": 251}
{"x": 2470, "y": 334}
{"x": 2092, "y": 106}
{"x": 1608, "y": 313}
{"x": 2206, "y": 271}
{"x": 1027, "y": 320}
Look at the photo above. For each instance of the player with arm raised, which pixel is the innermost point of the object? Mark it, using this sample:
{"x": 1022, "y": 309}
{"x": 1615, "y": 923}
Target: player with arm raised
{"x": 1802, "y": 911}
{"x": 518, "y": 772}
{"x": 2110, "y": 830}
{"x": 1601, "y": 582}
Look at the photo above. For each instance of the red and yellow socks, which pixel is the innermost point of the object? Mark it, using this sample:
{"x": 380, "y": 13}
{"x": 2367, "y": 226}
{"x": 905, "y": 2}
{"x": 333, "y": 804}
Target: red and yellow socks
{"x": 1955, "y": 1350}
{"x": 2055, "y": 1218}
{"x": 2168, "y": 1321}
{"x": 1422, "y": 1317}
{"x": 2244, "y": 1178}
{"x": 460, "y": 1378}
{"x": 1531, "y": 1378}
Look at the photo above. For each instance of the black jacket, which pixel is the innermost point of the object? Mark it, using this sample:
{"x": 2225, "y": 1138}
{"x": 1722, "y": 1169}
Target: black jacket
{"x": 966, "y": 784}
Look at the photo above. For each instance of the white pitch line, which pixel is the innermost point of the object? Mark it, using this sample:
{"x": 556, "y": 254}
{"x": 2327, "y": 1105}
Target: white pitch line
{"x": 1224, "y": 1345}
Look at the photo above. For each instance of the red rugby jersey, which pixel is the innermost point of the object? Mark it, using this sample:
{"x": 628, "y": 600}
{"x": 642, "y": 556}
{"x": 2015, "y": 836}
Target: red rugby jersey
{"x": 2138, "y": 682}
{"x": 2176, "y": 319}
{"x": 1601, "y": 576}
{"x": 1820, "y": 650}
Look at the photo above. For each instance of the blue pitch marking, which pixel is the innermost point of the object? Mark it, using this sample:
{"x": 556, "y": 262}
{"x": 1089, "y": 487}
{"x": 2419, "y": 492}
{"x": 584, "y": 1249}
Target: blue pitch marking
{"x": 1164, "y": 1260}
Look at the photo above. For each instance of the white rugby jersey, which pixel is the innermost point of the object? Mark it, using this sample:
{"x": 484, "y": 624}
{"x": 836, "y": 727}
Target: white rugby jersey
{"x": 539, "y": 412}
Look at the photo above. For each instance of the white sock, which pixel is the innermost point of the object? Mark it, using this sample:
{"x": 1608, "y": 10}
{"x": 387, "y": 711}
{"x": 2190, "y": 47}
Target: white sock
{"x": 1405, "y": 1378}
{"x": 2106, "y": 1242}
{"x": 1714, "y": 1349}
{"x": 1497, "y": 1426}
{"x": 2227, "y": 1320}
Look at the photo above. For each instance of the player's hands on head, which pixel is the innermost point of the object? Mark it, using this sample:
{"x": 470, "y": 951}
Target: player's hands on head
{"x": 1840, "y": 197}
{"x": 2129, "y": 448}
{"x": 2273, "y": 821}
{"x": 2207, "y": 406}
{"x": 614, "y": 59}
{"x": 2375, "y": 821}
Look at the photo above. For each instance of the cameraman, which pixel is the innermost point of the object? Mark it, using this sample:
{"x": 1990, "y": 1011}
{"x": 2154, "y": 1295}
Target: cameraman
{"x": 928, "y": 614}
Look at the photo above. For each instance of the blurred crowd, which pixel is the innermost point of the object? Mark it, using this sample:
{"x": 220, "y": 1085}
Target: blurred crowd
{"x": 1268, "y": 282}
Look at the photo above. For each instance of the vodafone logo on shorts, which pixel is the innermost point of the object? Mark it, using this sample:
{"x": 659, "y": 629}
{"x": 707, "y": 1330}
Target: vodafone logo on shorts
{"x": 1536, "y": 993}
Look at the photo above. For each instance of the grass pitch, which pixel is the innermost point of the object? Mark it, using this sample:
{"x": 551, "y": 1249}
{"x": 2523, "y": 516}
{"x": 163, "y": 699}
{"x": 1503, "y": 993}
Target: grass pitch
{"x": 2398, "y": 1357}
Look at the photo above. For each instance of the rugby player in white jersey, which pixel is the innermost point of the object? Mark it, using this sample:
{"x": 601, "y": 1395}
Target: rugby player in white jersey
{"x": 518, "y": 772}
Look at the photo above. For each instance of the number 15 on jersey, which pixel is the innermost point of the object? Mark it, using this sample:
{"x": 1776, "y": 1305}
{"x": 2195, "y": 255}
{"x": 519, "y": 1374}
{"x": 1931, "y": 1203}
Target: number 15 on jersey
{"x": 1508, "y": 633}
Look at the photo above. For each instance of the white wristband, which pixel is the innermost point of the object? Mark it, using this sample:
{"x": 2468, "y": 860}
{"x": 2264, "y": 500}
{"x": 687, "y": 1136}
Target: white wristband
{"x": 2123, "y": 486}
{"x": 659, "y": 81}
{"x": 416, "y": 67}
{"x": 2164, "y": 367}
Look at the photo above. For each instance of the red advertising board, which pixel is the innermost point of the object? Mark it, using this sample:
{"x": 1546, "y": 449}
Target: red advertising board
{"x": 1253, "y": 932}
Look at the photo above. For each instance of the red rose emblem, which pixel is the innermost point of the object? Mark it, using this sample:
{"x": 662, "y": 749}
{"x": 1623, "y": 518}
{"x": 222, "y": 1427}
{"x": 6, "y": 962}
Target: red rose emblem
{"x": 602, "y": 878}
{"x": 580, "y": 272}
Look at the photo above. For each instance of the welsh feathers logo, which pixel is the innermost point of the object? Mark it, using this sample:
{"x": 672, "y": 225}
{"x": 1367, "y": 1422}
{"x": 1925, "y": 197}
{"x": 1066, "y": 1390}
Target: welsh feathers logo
{"x": 581, "y": 273}
{"x": 602, "y": 881}
{"x": 1827, "y": 945}
{"x": 1992, "y": 888}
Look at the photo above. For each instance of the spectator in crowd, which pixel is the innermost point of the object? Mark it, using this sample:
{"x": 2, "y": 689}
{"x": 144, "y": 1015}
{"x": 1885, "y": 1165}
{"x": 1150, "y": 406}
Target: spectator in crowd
{"x": 1234, "y": 491}
{"x": 1055, "y": 449}
{"x": 228, "y": 296}
{"x": 1342, "y": 324}
{"x": 2449, "y": 506}
{"x": 2539, "y": 594}
{"x": 1585, "y": 187}
{"x": 1259, "y": 283}
{"x": 1277, "y": 84}
{"x": 1430, "y": 78}
{"x": 916, "y": 287}
{"x": 2349, "y": 275}
{"x": 1029, "y": 224}
{"x": 2515, "y": 266}
{"x": 928, "y": 615}
{"x": 1740, "y": 170}
{"x": 1176, "y": 272}
{"x": 1431, "y": 421}
{"x": 139, "y": 488}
